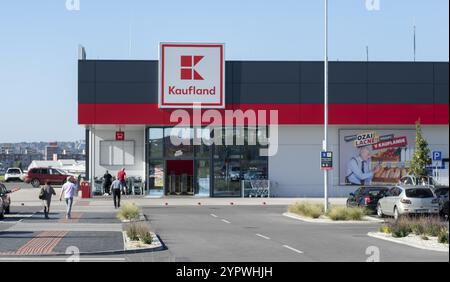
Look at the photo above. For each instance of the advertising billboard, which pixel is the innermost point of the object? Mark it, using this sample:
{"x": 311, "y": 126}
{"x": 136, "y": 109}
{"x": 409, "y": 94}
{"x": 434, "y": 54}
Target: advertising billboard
{"x": 371, "y": 157}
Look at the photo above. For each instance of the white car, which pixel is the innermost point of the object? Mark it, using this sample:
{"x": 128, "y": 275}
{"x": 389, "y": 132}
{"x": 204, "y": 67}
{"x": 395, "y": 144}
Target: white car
{"x": 14, "y": 174}
{"x": 408, "y": 200}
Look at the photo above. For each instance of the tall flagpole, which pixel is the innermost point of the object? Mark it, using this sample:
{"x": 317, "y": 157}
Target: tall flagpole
{"x": 325, "y": 141}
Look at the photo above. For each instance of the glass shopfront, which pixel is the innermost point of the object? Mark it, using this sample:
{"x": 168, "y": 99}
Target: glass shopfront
{"x": 184, "y": 162}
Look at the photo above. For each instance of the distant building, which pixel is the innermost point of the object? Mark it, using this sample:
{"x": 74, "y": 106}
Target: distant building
{"x": 50, "y": 150}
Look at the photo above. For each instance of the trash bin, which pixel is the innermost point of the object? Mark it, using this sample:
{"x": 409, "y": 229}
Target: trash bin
{"x": 85, "y": 190}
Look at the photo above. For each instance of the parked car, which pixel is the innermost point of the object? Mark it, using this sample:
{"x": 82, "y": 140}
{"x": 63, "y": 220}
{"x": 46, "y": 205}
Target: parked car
{"x": 5, "y": 200}
{"x": 408, "y": 200}
{"x": 367, "y": 197}
{"x": 38, "y": 176}
{"x": 442, "y": 195}
{"x": 14, "y": 174}
{"x": 235, "y": 173}
{"x": 422, "y": 181}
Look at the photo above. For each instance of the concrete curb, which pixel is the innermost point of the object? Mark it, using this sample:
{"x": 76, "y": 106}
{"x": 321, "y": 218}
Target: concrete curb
{"x": 162, "y": 247}
{"x": 155, "y": 246}
{"x": 380, "y": 236}
{"x": 368, "y": 220}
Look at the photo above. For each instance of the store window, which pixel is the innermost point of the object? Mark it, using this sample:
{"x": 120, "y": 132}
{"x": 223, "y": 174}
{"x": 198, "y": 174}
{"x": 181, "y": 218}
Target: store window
{"x": 156, "y": 175}
{"x": 236, "y": 163}
{"x": 116, "y": 153}
{"x": 156, "y": 142}
{"x": 178, "y": 142}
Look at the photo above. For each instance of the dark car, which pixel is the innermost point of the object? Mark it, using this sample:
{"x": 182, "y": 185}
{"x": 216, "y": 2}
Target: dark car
{"x": 442, "y": 195}
{"x": 367, "y": 197}
{"x": 38, "y": 176}
{"x": 5, "y": 200}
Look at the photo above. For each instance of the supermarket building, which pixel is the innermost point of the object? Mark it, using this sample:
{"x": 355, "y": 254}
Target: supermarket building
{"x": 374, "y": 103}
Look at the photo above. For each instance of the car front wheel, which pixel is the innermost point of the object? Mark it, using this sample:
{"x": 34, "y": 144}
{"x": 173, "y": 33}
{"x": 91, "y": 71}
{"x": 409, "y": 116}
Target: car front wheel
{"x": 380, "y": 211}
{"x": 396, "y": 213}
{"x": 35, "y": 183}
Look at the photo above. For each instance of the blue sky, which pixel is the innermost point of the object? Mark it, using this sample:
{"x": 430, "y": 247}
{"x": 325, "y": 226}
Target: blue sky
{"x": 39, "y": 39}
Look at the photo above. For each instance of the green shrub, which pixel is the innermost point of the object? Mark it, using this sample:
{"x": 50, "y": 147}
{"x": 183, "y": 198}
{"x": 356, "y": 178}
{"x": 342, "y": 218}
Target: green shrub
{"x": 146, "y": 238}
{"x": 307, "y": 209}
{"x": 443, "y": 236}
{"x": 132, "y": 232}
{"x": 423, "y": 226}
{"x": 129, "y": 212}
{"x": 385, "y": 228}
{"x": 139, "y": 232}
{"x": 345, "y": 213}
{"x": 433, "y": 228}
{"x": 143, "y": 232}
{"x": 401, "y": 228}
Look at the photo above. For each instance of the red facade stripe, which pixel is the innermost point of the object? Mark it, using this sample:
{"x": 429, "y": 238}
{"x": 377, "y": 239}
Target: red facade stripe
{"x": 288, "y": 114}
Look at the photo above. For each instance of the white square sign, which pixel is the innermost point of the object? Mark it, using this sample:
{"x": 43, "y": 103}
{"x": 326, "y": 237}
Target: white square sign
{"x": 191, "y": 74}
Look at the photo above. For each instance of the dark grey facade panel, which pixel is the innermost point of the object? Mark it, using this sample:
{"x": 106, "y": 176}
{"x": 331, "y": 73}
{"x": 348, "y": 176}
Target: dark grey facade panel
{"x": 441, "y": 93}
{"x": 86, "y": 92}
{"x": 311, "y": 93}
{"x": 86, "y": 71}
{"x": 412, "y": 73}
{"x": 276, "y": 82}
{"x": 347, "y": 73}
{"x": 127, "y": 71}
{"x": 266, "y": 72}
{"x": 311, "y": 72}
{"x": 400, "y": 94}
{"x": 441, "y": 73}
{"x": 347, "y": 93}
{"x": 127, "y": 93}
{"x": 266, "y": 93}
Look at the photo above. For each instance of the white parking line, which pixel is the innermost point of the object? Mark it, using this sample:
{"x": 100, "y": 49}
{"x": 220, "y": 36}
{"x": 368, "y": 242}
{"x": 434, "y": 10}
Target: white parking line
{"x": 213, "y": 215}
{"x": 262, "y": 236}
{"x": 226, "y": 221}
{"x": 292, "y": 249}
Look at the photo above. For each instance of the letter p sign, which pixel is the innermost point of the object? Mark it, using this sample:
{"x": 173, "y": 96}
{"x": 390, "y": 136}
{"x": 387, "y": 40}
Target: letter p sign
{"x": 73, "y": 5}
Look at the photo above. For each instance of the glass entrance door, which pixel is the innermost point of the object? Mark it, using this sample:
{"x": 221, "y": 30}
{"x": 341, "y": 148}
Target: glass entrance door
{"x": 180, "y": 177}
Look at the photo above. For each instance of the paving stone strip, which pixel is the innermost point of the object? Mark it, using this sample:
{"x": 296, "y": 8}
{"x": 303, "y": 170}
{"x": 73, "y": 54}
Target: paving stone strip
{"x": 42, "y": 244}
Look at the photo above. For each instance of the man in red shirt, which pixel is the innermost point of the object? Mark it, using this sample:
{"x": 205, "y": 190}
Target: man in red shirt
{"x": 121, "y": 176}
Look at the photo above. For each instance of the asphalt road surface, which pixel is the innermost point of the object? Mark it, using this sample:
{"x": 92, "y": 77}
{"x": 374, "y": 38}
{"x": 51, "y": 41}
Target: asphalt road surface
{"x": 262, "y": 233}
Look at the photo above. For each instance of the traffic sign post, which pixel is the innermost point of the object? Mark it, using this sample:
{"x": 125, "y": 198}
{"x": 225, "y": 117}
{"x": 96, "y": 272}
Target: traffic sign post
{"x": 326, "y": 160}
{"x": 437, "y": 156}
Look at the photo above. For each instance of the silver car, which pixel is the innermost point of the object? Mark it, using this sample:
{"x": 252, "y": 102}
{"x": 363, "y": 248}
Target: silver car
{"x": 408, "y": 200}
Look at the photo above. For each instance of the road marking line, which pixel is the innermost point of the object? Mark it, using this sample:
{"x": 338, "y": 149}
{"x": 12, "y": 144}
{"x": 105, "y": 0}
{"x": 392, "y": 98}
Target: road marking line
{"x": 292, "y": 249}
{"x": 226, "y": 221}
{"x": 262, "y": 236}
{"x": 213, "y": 215}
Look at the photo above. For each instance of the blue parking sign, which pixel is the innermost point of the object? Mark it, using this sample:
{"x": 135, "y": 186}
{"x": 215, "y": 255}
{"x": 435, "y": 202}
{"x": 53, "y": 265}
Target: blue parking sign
{"x": 437, "y": 156}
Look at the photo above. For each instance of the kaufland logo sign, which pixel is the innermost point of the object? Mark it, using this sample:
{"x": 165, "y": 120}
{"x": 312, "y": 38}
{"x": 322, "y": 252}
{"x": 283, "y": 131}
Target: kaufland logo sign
{"x": 191, "y": 75}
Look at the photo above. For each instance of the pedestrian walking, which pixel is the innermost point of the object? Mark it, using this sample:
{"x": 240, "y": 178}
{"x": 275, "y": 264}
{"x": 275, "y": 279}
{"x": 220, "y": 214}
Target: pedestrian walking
{"x": 107, "y": 181}
{"x": 68, "y": 190}
{"x": 45, "y": 195}
{"x": 116, "y": 187}
{"x": 121, "y": 176}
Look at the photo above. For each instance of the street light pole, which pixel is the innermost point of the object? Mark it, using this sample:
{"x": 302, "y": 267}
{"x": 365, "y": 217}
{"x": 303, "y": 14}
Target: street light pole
{"x": 325, "y": 140}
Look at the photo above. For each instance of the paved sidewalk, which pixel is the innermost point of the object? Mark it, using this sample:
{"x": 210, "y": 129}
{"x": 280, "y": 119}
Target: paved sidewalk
{"x": 91, "y": 230}
{"x": 29, "y": 197}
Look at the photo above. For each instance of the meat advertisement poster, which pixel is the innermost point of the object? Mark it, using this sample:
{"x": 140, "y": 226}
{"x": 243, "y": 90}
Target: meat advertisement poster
{"x": 371, "y": 157}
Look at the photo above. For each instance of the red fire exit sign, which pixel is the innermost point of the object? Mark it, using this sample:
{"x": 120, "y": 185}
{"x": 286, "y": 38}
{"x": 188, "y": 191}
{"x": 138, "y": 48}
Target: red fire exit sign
{"x": 120, "y": 136}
